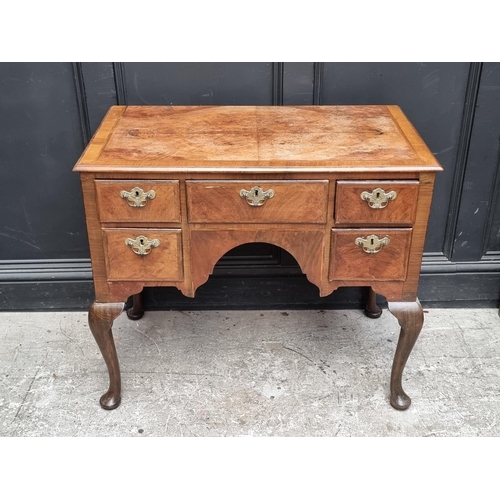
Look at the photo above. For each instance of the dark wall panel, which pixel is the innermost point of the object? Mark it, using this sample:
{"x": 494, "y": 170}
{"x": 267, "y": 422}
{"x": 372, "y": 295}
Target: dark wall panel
{"x": 198, "y": 83}
{"x": 298, "y": 84}
{"x": 98, "y": 81}
{"x": 493, "y": 235}
{"x": 478, "y": 223}
{"x": 40, "y": 140}
{"x": 430, "y": 94}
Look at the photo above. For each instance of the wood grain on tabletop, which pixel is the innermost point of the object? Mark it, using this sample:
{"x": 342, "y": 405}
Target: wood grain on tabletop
{"x": 165, "y": 137}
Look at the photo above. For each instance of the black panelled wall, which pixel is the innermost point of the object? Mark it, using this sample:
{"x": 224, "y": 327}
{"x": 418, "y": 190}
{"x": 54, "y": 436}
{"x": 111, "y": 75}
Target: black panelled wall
{"x": 48, "y": 112}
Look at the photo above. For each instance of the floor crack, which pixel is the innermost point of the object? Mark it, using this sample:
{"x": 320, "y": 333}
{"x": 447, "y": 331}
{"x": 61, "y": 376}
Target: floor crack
{"x": 320, "y": 366}
{"x": 297, "y": 352}
{"x": 26, "y": 395}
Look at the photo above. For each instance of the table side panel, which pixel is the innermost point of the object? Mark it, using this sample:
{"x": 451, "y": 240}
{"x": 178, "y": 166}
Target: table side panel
{"x": 418, "y": 238}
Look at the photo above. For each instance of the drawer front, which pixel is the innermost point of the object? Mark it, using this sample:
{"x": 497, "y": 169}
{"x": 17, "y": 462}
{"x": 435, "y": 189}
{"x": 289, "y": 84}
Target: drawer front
{"x": 351, "y": 257}
{"x": 373, "y": 202}
{"x": 257, "y": 201}
{"x": 138, "y": 201}
{"x": 143, "y": 254}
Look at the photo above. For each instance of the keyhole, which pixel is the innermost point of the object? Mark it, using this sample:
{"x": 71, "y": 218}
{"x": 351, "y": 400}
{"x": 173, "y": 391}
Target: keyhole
{"x": 256, "y": 192}
{"x": 371, "y": 241}
{"x": 378, "y": 194}
{"x": 142, "y": 241}
{"x": 137, "y": 193}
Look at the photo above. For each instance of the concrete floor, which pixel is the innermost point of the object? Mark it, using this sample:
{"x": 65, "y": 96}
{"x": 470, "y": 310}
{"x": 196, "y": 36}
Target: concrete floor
{"x": 250, "y": 373}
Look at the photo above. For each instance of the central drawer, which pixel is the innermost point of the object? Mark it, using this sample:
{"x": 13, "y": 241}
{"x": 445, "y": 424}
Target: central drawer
{"x": 257, "y": 201}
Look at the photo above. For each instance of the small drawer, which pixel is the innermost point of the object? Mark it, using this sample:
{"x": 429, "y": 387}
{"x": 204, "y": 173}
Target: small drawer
{"x": 257, "y": 201}
{"x": 138, "y": 201}
{"x": 374, "y": 202}
{"x": 369, "y": 254}
{"x": 143, "y": 254}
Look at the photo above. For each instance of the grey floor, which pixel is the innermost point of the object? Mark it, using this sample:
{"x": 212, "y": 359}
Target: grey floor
{"x": 250, "y": 373}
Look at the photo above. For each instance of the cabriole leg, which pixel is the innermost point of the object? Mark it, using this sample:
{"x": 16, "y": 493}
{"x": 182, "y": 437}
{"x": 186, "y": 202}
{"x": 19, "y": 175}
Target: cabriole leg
{"x": 137, "y": 310}
{"x": 411, "y": 318}
{"x": 101, "y": 317}
{"x": 372, "y": 310}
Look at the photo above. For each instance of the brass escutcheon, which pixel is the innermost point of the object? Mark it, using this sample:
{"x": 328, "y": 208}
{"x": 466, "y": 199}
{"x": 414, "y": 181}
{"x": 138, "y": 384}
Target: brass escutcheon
{"x": 137, "y": 197}
{"x": 372, "y": 243}
{"x": 141, "y": 245}
{"x": 378, "y": 198}
{"x": 256, "y": 197}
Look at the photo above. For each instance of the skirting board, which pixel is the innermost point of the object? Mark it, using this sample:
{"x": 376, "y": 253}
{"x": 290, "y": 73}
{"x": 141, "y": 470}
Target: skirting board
{"x": 463, "y": 290}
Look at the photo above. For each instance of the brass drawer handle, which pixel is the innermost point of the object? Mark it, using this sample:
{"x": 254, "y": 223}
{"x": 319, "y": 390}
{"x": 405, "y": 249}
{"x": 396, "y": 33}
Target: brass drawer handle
{"x": 137, "y": 197}
{"x": 372, "y": 244}
{"x": 141, "y": 245}
{"x": 378, "y": 198}
{"x": 256, "y": 197}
